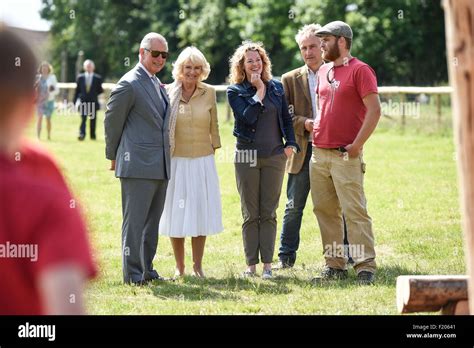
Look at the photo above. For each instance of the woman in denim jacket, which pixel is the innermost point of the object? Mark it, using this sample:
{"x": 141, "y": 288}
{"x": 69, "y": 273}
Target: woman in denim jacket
{"x": 265, "y": 139}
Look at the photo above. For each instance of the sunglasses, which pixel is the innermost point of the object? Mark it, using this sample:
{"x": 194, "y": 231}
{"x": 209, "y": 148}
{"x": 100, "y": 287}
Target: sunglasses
{"x": 155, "y": 54}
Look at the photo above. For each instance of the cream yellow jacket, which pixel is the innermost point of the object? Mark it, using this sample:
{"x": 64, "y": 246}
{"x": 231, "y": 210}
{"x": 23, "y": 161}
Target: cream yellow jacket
{"x": 196, "y": 133}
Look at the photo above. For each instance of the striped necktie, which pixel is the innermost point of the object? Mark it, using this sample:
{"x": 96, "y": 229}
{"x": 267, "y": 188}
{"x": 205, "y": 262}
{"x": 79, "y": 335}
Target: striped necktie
{"x": 156, "y": 83}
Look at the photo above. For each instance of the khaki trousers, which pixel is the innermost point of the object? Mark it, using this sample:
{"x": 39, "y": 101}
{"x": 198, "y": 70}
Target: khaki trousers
{"x": 259, "y": 187}
{"x": 337, "y": 182}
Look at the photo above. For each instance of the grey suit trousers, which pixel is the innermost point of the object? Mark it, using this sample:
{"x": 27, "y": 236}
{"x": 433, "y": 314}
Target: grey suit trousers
{"x": 142, "y": 204}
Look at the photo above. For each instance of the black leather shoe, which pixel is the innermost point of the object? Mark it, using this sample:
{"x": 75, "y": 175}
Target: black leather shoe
{"x": 282, "y": 265}
{"x": 146, "y": 281}
{"x": 157, "y": 277}
{"x": 137, "y": 283}
{"x": 365, "y": 278}
{"x": 81, "y": 137}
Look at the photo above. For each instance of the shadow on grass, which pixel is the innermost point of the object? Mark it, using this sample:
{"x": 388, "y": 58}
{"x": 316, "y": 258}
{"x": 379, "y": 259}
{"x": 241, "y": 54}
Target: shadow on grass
{"x": 191, "y": 288}
{"x": 196, "y": 289}
{"x": 387, "y": 275}
{"x": 188, "y": 292}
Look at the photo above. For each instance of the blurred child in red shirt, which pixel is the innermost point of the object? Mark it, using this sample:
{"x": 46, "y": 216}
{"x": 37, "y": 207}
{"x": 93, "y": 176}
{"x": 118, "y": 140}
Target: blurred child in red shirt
{"x": 45, "y": 257}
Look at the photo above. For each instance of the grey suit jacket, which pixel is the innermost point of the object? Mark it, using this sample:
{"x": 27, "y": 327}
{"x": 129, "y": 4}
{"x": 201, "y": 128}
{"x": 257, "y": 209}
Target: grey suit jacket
{"x": 137, "y": 128}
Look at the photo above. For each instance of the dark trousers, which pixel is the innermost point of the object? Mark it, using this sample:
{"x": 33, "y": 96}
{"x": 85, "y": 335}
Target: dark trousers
{"x": 142, "y": 204}
{"x": 259, "y": 187}
{"x": 297, "y": 191}
{"x": 88, "y": 110}
{"x": 92, "y": 122}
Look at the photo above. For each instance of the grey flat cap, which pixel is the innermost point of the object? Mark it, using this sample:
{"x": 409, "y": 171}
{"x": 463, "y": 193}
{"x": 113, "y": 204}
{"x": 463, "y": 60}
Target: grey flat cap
{"x": 336, "y": 28}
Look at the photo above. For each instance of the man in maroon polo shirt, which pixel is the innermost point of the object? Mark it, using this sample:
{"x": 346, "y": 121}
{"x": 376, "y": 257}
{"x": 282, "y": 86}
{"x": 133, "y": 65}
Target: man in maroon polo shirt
{"x": 349, "y": 112}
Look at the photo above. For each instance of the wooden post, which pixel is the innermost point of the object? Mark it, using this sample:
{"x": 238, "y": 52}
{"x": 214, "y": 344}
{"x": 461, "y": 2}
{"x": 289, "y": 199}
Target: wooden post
{"x": 79, "y": 62}
{"x": 64, "y": 94}
{"x": 439, "y": 109}
{"x": 459, "y": 15}
{"x": 402, "y": 104}
{"x": 228, "y": 116}
{"x": 228, "y": 112}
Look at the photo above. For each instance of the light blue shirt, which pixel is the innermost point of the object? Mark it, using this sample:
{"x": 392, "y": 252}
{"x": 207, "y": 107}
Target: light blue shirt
{"x": 313, "y": 83}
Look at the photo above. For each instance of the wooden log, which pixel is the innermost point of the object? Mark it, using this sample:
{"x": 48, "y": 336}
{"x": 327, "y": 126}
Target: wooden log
{"x": 459, "y": 17}
{"x": 462, "y": 308}
{"x": 456, "y": 308}
{"x": 429, "y": 293}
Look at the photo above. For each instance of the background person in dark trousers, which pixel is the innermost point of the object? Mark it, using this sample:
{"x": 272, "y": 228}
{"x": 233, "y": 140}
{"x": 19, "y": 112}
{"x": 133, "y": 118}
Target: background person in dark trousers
{"x": 300, "y": 87}
{"x": 89, "y": 86}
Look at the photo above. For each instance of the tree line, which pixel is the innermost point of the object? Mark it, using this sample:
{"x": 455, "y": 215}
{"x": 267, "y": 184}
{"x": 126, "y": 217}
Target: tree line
{"x": 403, "y": 40}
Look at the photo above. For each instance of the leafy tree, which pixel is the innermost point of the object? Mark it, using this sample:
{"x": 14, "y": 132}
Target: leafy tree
{"x": 403, "y": 40}
{"x": 206, "y": 26}
{"x": 306, "y": 12}
{"x": 109, "y": 31}
{"x": 265, "y": 21}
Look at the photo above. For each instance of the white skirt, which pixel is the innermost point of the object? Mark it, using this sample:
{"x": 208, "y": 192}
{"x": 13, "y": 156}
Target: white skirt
{"x": 193, "y": 199}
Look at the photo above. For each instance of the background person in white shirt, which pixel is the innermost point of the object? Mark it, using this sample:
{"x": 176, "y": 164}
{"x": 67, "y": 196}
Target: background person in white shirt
{"x": 47, "y": 89}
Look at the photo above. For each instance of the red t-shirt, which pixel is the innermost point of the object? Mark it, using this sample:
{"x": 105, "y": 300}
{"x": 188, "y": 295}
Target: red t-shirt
{"x": 40, "y": 224}
{"x": 39, "y": 163}
{"x": 341, "y": 109}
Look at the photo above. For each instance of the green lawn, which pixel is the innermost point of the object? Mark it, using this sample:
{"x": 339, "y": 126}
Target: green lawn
{"x": 411, "y": 187}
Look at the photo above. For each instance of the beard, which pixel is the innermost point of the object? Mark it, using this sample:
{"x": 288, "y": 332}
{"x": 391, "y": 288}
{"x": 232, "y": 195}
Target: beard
{"x": 332, "y": 54}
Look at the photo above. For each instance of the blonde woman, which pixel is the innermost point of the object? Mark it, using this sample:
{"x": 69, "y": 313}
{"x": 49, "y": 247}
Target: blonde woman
{"x": 265, "y": 139}
{"x": 193, "y": 203}
{"x": 47, "y": 89}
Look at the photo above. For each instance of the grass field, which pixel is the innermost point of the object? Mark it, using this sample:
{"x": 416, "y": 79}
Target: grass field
{"x": 411, "y": 187}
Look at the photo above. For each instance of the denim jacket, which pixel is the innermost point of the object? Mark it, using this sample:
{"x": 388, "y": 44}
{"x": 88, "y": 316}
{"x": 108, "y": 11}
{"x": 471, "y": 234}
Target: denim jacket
{"x": 247, "y": 110}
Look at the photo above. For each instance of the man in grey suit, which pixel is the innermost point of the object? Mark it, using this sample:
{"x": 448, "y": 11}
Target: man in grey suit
{"x": 137, "y": 143}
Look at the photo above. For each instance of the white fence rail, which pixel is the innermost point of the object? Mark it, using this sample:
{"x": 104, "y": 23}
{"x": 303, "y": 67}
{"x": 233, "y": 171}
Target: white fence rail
{"x": 389, "y": 91}
{"x": 382, "y": 90}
